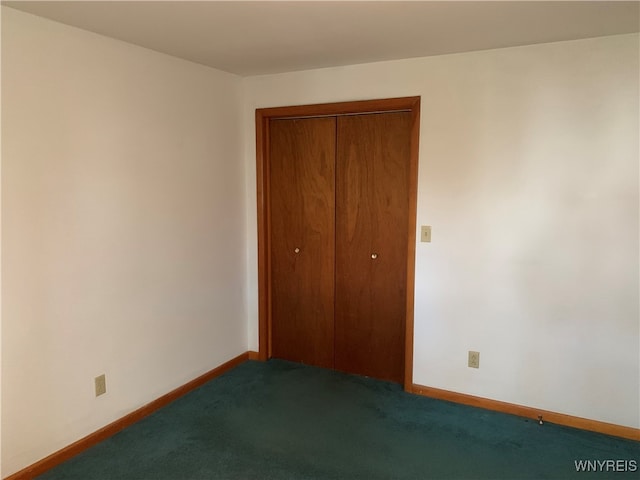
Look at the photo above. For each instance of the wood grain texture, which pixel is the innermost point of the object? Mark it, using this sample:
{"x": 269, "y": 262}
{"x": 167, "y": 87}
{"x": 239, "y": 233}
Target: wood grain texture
{"x": 264, "y": 267}
{"x": 342, "y": 108}
{"x": 529, "y": 412}
{"x": 264, "y": 117}
{"x": 372, "y": 208}
{"x": 411, "y": 242}
{"x": 98, "y": 436}
{"x": 302, "y": 153}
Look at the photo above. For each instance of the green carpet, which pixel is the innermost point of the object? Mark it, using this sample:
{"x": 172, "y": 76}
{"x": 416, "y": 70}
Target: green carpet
{"x": 280, "y": 420}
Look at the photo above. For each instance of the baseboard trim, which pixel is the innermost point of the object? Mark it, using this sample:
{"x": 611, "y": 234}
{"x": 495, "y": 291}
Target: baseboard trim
{"x": 96, "y": 437}
{"x": 92, "y": 439}
{"x": 529, "y": 412}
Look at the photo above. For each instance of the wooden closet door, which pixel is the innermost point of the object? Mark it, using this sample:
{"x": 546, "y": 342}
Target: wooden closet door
{"x": 372, "y": 202}
{"x": 302, "y": 155}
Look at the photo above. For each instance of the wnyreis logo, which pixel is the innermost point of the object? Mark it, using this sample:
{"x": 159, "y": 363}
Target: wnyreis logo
{"x": 606, "y": 465}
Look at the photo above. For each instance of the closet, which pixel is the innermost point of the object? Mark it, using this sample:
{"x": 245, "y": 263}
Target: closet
{"x": 338, "y": 242}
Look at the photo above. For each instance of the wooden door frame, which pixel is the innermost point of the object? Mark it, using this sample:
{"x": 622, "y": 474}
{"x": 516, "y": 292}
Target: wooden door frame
{"x": 263, "y": 118}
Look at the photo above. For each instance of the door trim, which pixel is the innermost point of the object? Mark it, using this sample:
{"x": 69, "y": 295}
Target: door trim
{"x": 263, "y": 118}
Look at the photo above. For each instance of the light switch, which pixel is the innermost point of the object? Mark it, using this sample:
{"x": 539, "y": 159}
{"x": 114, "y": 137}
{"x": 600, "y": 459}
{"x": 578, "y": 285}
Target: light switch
{"x": 425, "y": 233}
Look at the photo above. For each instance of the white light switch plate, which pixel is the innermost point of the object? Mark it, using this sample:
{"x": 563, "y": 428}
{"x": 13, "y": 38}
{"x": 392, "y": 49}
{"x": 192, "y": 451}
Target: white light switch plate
{"x": 425, "y": 233}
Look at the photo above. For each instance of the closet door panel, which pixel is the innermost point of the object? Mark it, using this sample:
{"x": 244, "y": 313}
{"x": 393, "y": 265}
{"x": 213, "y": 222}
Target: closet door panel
{"x": 302, "y": 183}
{"x": 372, "y": 185}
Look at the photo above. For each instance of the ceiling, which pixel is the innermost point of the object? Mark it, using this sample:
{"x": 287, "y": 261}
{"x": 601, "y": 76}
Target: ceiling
{"x": 263, "y": 37}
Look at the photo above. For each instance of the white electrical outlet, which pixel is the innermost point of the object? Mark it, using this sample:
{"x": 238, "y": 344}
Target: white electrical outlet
{"x": 101, "y": 385}
{"x": 474, "y": 359}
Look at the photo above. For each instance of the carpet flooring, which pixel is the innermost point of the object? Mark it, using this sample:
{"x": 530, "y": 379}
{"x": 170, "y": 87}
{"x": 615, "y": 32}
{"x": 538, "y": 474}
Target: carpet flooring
{"x": 281, "y": 420}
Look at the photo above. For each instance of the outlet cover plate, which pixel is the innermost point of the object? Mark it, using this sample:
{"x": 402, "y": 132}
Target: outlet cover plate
{"x": 101, "y": 385}
{"x": 474, "y": 359}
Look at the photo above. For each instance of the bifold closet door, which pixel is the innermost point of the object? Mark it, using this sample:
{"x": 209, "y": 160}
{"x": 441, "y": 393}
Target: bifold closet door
{"x": 372, "y": 204}
{"x": 302, "y": 184}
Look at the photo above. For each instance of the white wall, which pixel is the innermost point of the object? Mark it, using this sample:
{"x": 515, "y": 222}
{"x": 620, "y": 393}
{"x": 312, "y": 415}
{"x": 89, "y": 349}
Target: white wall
{"x": 529, "y": 176}
{"x": 125, "y": 210}
{"x": 123, "y": 242}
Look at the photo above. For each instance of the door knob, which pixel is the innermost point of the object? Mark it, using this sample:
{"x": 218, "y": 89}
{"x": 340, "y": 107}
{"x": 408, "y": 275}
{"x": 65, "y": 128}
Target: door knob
{"x": 374, "y": 255}
{"x": 296, "y": 250}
